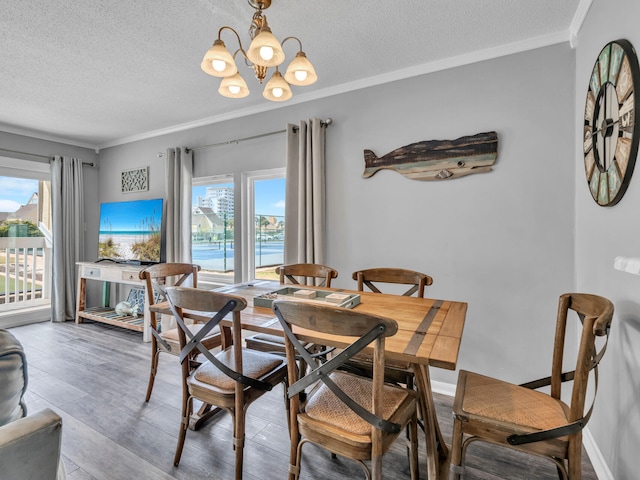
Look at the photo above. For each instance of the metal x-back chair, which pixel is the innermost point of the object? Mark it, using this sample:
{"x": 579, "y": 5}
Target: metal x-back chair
{"x": 400, "y": 276}
{"x": 309, "y": 273}
{"x": 231, "y": 379}
{"x": 349, "y": 415}
{"x": 522, "y": 418}
{"x": 157, "y": 277}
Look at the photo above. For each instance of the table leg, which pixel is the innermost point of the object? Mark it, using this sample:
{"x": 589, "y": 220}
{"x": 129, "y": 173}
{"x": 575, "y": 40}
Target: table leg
{"x": 435, "y": 446}
{"x": 80, "y": 298}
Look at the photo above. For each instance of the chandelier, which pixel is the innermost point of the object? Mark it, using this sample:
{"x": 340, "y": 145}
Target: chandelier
{"x": 264, "y": 52}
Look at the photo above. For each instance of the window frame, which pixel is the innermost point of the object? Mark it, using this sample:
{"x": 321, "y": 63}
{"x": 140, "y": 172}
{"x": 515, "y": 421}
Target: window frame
{"x": 214, "y": 279}
{"x": 248, "y": 215}
{"x": 244, "y": 231}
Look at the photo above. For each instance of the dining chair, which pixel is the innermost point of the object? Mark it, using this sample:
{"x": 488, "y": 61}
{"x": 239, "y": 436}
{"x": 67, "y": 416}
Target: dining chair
{"x": 525, "y": 419}
{"x": 349, "y": 415}
{"x": 396, "y": 371}
{"x": 231, "y": 379}
{"x": 310, "y": 273}
{"x": 157, "y": 277}
{"x": 400, "y": 276}
{"x": 318, "y": 275}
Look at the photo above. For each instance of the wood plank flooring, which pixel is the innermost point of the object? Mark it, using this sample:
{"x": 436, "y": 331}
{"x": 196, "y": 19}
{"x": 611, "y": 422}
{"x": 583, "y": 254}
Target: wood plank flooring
{"x": 95, "y": 376}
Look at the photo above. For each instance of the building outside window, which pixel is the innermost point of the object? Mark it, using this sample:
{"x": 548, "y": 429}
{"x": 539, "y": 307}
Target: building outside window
{"x": 229, "y": 248}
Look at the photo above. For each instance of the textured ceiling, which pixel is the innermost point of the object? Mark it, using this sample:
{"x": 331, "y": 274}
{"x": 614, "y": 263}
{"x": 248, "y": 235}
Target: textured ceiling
{"x": 101, "y": 72}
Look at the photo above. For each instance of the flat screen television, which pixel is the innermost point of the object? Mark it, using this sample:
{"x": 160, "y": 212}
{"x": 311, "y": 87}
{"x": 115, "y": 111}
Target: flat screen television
{"x": 131, "y": 232}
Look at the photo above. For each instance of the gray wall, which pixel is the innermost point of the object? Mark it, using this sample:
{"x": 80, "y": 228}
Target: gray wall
{"x": 601, "y": 235}
{"x": 502, "y": 241}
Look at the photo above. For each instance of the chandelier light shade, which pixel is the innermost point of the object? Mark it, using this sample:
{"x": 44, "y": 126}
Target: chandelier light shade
{"x": 277, "y": 89}
{"x": 218, "y": 61}
{"x": 233, "y": 87}
{"x": 265, "y": 51}
{"x": 300, "y": 72}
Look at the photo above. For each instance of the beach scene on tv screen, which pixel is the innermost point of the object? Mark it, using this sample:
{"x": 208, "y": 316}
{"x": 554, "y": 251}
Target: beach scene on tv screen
{"x": 130, "y": 230}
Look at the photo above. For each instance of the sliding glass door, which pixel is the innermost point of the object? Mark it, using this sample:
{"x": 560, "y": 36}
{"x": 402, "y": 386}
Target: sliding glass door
{"x": 25, "y": 240}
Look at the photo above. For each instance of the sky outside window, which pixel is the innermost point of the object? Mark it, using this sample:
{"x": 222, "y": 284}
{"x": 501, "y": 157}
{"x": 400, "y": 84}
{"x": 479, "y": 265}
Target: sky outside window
{"x": 16, "y": 192}
{"x": 269, "y": 195}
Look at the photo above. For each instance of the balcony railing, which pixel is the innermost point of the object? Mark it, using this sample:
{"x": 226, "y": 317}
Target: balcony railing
{"x": 25, "y": 271}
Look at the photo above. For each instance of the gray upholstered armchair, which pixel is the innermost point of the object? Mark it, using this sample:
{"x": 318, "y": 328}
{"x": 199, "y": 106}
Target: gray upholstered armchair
{"x": 29, "y": 445}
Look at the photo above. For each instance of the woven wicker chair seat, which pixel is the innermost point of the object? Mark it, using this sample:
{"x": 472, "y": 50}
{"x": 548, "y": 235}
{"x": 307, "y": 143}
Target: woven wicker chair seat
{"x": 506, "y": 402}
{"x": 172, "y": 335}
{"x": 265, "y": 342}
{"x": 325, "y": 407}
{"x": 254, "y": 364}
{"x": 210, "y": 340}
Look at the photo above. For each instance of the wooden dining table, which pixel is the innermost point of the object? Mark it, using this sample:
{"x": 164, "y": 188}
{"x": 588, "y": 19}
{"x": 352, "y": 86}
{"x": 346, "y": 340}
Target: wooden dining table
{"x": 429, "y": 334}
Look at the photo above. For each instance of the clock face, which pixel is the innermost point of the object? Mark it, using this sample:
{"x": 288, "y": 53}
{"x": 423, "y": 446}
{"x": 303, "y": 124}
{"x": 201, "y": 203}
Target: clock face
{"x": 610, "y": 134}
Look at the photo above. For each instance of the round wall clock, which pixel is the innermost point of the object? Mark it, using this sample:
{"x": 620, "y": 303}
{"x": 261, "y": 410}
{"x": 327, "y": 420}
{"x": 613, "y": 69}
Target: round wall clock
{"x": 610, "y": 136}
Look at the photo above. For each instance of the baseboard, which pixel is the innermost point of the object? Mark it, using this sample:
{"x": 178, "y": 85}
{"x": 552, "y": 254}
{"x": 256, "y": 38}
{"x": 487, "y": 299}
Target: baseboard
{"x": 443, "y": 388}
{"x": 25, "y": 316}
{"x": 595, "y": 455}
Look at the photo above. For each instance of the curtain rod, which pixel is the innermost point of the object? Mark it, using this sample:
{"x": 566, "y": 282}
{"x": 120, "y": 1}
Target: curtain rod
{"x": 324, "y": 123}
{"x": 238, "y": 140}
{"x": 91, "y": 164}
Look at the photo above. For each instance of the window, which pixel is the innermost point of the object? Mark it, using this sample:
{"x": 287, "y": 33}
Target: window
{"x": 230, "y": 249}
{"x": 267, "y": 217}
{"x": 212, "y": 227}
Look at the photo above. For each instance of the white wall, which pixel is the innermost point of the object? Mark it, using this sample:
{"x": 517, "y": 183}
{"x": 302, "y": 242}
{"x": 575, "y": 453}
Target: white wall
{"x": 601, "y": 235}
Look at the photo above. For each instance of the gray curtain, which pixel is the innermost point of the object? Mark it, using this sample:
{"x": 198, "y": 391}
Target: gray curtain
{"x": 68, "y": 234}
{"x": 305, "y": 195}
{"x": 179, "y": 176}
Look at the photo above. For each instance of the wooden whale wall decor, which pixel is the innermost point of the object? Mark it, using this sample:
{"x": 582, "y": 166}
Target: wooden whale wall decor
{"x": 438, "y": 159}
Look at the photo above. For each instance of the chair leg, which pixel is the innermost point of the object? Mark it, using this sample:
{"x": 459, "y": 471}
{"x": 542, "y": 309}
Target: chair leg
{"x": 575, "y": 458}
{"x": 287, "y": 404}
{"x": 413, "y": 439}
{"x": 562, "y": 475}
{"x": 187, "y": 408}
{"x": 154, "y": 369}
{"x": 376, "y": 467}
{"x": 409, "y": 383}
{"x": 302, "y": 369}
{"x": 295, "y": 445}
{"x": 456, "y": 451}
{"x": 296, "y": 459}
{"x": 238, "y": 439}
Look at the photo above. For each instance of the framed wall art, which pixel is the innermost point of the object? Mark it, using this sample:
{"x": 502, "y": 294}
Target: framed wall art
{"x": 135, "y": 180}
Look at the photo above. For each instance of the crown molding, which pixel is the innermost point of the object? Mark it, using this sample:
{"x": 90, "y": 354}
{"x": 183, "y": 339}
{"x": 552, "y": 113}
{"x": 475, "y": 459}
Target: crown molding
{"x": 578, "y": 19}
{"x": 245, "y": 112}
{"x": 45, "y": 136}
{"x": 431, "y": 67}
